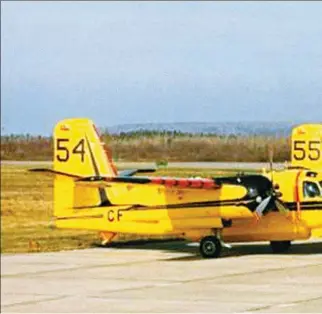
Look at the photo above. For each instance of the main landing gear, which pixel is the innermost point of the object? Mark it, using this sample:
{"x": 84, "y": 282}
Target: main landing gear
{"x": 210, "y": 247}
{"x": 280, "y": 246}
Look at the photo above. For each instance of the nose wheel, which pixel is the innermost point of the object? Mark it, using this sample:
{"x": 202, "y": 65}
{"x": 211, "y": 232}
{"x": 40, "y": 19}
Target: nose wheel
{"x": 210, "y": 247}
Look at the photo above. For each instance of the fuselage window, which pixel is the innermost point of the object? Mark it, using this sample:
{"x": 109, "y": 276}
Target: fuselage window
{"x": 311, "y": 189}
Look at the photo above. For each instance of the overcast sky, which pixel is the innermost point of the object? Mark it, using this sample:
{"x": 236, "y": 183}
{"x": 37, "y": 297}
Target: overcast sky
{"x": 133, "y": 62}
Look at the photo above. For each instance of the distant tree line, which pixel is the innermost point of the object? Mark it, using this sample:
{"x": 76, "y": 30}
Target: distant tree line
{"x": 153, "y": 145}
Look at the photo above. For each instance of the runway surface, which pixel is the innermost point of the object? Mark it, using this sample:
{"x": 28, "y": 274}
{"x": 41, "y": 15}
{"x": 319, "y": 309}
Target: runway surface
{"x": 191, "y": 165}
{"x": 164, "y": 277}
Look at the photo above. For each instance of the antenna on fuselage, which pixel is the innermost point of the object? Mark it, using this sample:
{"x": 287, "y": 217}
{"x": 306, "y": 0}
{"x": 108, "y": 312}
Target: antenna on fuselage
{"x": 271, "y": 161}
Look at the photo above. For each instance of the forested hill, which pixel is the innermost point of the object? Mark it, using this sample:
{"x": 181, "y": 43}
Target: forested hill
{"x": 220, "y": 128}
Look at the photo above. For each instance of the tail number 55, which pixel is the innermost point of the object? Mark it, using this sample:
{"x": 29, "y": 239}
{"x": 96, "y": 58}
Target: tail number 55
{"x": 313, "y": 151}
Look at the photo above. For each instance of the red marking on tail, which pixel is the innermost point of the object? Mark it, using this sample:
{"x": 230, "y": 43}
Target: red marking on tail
{"x": 108, "y": 152}
{"x": 64, "y": 127}
{"x": 300, "y": 131}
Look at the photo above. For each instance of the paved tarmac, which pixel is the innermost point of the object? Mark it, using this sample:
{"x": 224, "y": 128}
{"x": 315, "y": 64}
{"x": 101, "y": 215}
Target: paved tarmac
{"x": 164, "y": 277}
{"x": 191, "y": 165}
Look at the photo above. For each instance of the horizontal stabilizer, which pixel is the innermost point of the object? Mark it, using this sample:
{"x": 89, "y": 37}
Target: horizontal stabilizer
{"x": 54, "y": 172}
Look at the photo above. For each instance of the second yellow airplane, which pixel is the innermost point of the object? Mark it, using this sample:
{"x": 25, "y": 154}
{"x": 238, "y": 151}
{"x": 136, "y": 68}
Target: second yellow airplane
{"x": 277, "y": 206}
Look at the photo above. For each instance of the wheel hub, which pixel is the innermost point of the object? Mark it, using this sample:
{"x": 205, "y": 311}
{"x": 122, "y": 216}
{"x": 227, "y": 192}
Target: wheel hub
{"x": 209, "y": 247}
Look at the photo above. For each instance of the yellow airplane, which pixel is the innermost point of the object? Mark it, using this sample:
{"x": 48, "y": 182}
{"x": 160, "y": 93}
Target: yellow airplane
{"x": 277, "y": 206}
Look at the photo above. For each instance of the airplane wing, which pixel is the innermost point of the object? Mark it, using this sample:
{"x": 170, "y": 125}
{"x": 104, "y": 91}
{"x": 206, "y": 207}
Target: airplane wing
{"x": 132, "y": 172}
{"x": 202, "y": 183}
{"x": 123, "y": 173}
{"x": 260, "y": 208}
{"x": 127, "y": 177}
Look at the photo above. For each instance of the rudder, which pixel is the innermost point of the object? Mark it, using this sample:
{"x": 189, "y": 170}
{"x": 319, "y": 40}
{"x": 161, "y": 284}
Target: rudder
{"x": 79, "y": 152}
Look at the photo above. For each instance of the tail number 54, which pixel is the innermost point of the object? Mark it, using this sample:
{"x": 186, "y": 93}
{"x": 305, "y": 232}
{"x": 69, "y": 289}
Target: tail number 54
{"x": 63, "y": 150}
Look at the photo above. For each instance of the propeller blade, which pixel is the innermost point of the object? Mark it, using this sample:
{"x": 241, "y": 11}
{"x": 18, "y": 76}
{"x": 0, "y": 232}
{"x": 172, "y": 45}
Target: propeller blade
{"x": 262, "y": 206}
{"x": 281, "y": 206}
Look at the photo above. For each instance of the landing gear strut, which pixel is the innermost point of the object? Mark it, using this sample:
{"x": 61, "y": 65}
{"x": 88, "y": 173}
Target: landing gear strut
{"x": 210, "y": 247}
{"x": 280, "y": 246}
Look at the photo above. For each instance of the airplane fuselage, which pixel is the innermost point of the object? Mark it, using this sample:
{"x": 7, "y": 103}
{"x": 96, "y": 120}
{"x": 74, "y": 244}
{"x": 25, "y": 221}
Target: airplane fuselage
{"x": 193, "y": 213}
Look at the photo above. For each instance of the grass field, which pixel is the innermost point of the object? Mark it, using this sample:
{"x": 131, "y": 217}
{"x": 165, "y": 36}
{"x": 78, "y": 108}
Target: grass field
{"x": 157, "y": 147}
{"x": 26, "y": 211}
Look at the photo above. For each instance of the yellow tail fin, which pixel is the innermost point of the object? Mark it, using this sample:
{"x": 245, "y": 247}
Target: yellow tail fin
{"x": 307, "y": 146}
{"x": 79, "y": 151}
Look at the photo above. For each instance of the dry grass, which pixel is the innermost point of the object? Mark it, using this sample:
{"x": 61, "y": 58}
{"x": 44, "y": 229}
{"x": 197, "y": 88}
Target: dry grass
{"x": 26, "y": 148}
{"x": 143, "y": 148}
{"x": 198, "y": 148}
{"x": 26, "y": 211}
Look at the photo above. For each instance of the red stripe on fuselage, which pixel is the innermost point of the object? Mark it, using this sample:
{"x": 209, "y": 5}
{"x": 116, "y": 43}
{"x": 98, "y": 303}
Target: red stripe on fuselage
{"x": 185, "y": 183}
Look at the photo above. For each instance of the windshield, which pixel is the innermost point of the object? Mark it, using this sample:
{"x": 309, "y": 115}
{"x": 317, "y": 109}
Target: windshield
{"x": 311, "y": 189}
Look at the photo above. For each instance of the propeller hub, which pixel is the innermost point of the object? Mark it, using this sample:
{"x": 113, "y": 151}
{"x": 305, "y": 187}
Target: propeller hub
{"x": 259, "y": 199}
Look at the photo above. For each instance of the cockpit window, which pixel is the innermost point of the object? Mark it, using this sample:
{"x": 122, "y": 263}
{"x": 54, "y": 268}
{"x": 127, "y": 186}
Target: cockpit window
{"x": 311, "y": 189}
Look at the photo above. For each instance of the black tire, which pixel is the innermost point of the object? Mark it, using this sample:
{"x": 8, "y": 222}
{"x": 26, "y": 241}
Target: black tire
{"x": 210, "y": 247}
{"x": 280, "y": 246}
